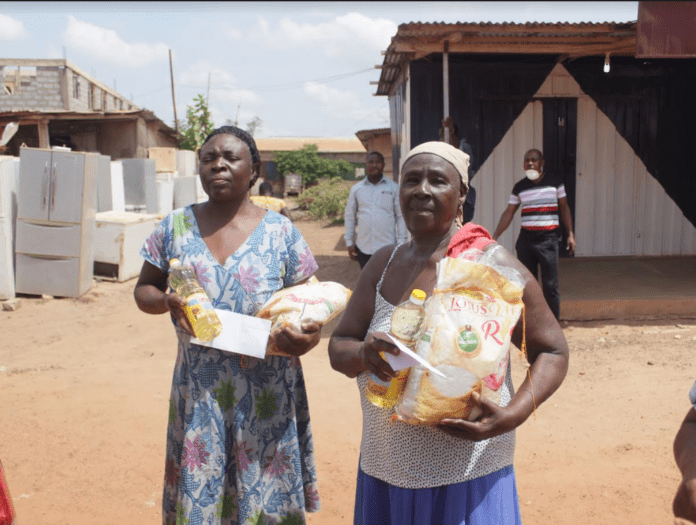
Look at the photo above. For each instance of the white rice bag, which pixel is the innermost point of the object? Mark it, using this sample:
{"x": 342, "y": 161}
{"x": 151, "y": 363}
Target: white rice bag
{"x": 468, "y": 325}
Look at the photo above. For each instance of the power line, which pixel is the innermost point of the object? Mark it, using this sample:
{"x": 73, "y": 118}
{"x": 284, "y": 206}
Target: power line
{"x": 284, "y": 87}
{"x": 280, "y": 87}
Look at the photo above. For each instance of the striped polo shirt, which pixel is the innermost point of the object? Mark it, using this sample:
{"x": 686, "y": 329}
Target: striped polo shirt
{"x": 539, "y": 203}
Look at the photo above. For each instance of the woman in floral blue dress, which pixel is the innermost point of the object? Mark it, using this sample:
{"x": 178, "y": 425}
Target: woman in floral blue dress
{"x": 239, "y": 442}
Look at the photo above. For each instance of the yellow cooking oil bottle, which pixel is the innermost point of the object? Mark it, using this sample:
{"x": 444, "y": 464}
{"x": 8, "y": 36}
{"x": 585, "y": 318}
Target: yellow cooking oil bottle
{"x": 199, "y": 310}
{"x": 406, "y": 326}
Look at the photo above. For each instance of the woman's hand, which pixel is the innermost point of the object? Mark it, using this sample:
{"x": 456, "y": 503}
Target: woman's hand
{"x": 494, "y": 421}
{"x": 175, "y": 304}
{"x": 374, "y": 344}
{"x": 291, "y": 341}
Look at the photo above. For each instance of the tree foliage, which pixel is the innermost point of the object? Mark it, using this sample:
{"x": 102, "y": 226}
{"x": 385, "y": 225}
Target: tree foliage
{"x": 327, "y": 199}
{"x": 197, "y": 125}
{"x": 254, "y": 125}
{"x": 310, "y": 165}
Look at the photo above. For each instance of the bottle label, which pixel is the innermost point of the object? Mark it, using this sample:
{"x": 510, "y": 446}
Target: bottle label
{"x": 197, "y": 305}
{"x": 377, "y": 387}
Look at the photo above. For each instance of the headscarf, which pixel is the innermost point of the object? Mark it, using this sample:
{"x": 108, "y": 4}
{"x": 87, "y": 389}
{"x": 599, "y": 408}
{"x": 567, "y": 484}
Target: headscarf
{"x": 454, "y": 156}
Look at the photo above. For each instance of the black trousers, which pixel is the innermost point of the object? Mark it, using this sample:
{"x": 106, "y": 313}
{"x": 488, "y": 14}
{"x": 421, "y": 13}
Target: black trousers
{"x": 540, "y": 251}
{"x": 362, "y": 257}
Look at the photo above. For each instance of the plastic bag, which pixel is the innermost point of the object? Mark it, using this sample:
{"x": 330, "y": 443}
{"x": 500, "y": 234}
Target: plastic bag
{"x": 314, "y": 300}
{"x": 469, "y": 322}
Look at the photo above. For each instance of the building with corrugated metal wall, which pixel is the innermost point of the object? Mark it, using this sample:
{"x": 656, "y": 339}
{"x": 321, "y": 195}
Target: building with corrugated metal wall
{"x": 624, "y": 141}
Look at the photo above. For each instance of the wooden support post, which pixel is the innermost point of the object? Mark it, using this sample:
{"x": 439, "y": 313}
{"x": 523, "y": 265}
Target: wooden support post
{"x": 445, "y": 87}
{"x": 44, "y": 141}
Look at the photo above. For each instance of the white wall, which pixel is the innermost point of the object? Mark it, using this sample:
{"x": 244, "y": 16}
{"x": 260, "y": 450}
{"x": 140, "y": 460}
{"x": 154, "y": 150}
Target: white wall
{"x": 620, "y": 208}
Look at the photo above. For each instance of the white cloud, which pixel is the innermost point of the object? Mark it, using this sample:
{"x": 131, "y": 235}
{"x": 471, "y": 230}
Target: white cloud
{"x": 340, "y": 104}
{"x": 197, "y": 74}
{"x": 230, "y": 31}
{"x": 223, "y": 85}
{"x": 105, "y": 44}
{"x": 353, "y": 37}
{"x": 11, "y": 29}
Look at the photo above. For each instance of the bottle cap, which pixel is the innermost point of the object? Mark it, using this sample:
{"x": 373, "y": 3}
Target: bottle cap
{"x": 174, "y": 262}
{"x": 418, "y": 296}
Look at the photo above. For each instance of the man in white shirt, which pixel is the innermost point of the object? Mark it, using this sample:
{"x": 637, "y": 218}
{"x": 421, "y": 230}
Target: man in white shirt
{"x": 373, "y": 205}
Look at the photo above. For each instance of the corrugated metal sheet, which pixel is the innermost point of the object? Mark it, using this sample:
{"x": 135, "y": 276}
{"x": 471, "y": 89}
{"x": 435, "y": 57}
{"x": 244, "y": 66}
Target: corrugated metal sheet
{"x": 620, "y": 208}
{"x": 324, "y": 145}
{"x": 417, "y": 39}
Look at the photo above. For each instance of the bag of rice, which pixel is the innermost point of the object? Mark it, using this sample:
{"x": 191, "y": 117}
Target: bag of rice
{"x": 314, "y": 300}
{"x": 469, "y": 321}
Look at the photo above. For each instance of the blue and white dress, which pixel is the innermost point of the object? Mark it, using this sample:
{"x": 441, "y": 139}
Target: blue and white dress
{"x": 239, "y": 441}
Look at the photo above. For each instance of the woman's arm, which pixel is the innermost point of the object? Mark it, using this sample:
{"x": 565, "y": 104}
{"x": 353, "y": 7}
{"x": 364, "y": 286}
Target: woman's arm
{"x": 152, "y": 298}
{"x": 547, "y": 353}
{"x": 684, "y": 505}
{"x": 350, "y": 351}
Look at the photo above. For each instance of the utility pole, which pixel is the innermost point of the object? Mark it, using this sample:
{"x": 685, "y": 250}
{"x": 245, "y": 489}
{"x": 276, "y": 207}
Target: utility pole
{"x": 236, "y": 118}
{"x": 445, "y": 87}
{"x": 171, "y": 72}
{"x": 207, "y": 96}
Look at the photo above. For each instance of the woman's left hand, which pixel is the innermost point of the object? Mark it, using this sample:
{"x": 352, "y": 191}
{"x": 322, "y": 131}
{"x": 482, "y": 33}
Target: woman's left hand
{"x": 293, "y": 342}
{"x": 494, "y": 421}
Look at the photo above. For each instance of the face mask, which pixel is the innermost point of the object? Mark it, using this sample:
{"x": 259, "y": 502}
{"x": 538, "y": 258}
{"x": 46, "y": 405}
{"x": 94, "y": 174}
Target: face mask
{"x": 532, "y": 174}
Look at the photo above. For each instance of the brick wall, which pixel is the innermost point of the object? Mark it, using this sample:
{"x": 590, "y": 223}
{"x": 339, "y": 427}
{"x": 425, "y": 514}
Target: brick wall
{"x": 54, "y": 88}
{"x": 39, "y": 91}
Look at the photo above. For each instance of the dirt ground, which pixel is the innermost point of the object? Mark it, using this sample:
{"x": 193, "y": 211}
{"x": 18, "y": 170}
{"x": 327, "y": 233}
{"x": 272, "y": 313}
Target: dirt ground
{"x": 84, "y": 387}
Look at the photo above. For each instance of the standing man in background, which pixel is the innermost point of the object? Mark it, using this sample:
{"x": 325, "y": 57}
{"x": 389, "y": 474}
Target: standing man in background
{"x": 542, "y": 198}
{"x": 373, "y": 205}
{"x": 470, "y": 202}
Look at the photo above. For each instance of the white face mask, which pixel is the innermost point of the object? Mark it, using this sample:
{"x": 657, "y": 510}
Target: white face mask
{"x": 532, "y": 174}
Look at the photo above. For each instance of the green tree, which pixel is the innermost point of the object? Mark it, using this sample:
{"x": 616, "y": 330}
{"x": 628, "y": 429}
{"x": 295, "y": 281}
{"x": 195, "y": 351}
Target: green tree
{"x": 197, "y": 126}
{"x": 310, "y": 165}
{"x": 327, "y": 199}
{"x": 254, "y": 125}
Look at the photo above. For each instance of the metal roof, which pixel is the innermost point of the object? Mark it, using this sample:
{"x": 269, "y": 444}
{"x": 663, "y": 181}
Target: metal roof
{"x": 416, "y": 40}
{"x": 324, "y": 144}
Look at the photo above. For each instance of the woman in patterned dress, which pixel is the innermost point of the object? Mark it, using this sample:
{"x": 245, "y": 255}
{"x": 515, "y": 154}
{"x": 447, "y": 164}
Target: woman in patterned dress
{"x": 239, "y": 442}
{"x": 460, "y": 472}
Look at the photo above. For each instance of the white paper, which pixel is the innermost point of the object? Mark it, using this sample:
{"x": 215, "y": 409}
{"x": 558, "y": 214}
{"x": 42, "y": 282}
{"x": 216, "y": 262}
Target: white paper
{"x": 241, "y": 334}
{"x": 407, "y": 358}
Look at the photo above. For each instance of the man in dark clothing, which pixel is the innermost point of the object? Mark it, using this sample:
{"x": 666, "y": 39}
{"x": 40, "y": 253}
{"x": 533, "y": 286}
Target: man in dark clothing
{"x": 470, "y": 202}
{"x": 542, "y": 198}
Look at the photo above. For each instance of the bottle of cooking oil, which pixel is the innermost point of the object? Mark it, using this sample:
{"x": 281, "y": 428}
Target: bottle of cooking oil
{"x": 199, "y": 311}
{"x": 406, "y": 326}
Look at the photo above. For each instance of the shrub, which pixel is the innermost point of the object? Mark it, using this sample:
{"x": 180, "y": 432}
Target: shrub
{"x": 326, "y": 200}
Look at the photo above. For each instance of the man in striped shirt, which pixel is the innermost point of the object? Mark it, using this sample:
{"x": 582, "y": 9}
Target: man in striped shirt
{"x": 542, "y": 198}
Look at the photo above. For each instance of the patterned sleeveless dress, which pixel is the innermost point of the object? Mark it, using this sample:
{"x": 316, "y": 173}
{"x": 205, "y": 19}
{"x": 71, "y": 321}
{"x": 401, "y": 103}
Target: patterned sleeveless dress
{"x": 239, "y": 442}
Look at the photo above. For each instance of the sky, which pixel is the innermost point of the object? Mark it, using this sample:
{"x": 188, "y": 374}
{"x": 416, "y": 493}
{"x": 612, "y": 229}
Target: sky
{"x": 303, "y": 68}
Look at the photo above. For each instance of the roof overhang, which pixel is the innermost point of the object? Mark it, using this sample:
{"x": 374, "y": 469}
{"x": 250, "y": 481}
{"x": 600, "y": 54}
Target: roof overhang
{"x": 27, "y": 117}
{"x": 417, "y": 40}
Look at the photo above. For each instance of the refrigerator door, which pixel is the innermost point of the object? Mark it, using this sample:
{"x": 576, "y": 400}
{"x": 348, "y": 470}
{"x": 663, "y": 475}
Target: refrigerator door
{"x": 66, "y": 187}
{"x": 34, "y": 183}
{"x": 8, "y": 195}
{"x": 49, "y": 239}
{"x": 50, "y": 276}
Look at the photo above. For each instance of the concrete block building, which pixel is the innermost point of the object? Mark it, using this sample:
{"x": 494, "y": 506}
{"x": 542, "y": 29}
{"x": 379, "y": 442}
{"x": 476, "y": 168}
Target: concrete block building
{"x": 56, "y": 103}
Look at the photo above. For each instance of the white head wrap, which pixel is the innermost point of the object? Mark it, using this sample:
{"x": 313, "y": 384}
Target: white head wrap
{"x": 454, "y": 156}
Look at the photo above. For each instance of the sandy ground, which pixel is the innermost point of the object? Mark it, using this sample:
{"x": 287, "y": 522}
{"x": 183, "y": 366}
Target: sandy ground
{"x": 84, "y": 387}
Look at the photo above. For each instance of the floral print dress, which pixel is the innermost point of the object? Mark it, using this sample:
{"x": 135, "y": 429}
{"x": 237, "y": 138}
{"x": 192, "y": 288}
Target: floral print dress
{"x": 239, "y": 442}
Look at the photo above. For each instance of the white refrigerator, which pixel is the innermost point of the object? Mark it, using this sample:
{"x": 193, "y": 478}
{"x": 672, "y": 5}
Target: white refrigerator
{"x": 9, "y": 173}
{"x": 55, "y": 222}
